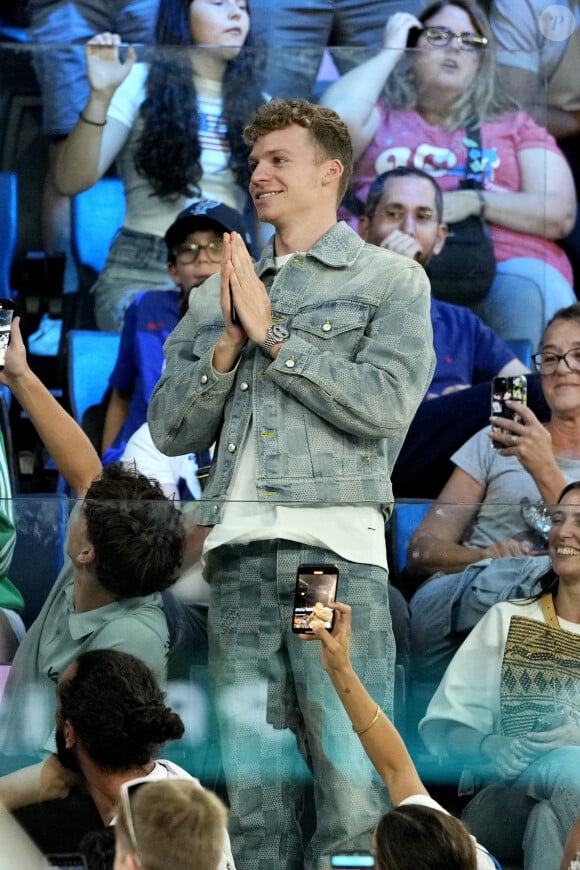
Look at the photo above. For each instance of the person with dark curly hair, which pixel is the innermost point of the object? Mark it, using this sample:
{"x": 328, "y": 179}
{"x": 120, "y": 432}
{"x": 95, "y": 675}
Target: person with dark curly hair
{"x": 111, "y": 722}
{"x": 125, "y": 544}
{"x": 174, "y": 124}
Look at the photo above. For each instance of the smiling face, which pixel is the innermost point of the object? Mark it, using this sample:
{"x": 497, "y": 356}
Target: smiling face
{"x": 562, "y": 388}
{"x": 290, "y": 177}
{"x": 222, "y": 23}
{"x": 446, "y": 70}
{"x": 564, "y": 537}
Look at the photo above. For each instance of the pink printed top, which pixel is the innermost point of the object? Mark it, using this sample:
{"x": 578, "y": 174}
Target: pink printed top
{"x": 407, "y": 139}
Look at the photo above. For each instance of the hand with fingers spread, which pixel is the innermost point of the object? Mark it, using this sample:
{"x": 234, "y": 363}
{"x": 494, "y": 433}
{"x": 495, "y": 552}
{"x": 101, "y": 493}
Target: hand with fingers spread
{"x": 105, "y": 69}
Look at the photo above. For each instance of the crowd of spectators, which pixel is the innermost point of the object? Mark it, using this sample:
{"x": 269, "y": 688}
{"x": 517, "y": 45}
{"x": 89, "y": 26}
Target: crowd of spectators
{"x": 303, "y": 366}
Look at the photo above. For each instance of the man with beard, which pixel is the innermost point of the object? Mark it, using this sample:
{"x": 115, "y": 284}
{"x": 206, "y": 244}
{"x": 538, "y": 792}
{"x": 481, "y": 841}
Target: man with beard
{"x": 111, "y": 720}
{"x": 404, "y": 214}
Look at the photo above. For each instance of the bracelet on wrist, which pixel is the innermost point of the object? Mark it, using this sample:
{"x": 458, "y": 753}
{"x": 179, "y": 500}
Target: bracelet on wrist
{"x": 370, "y": 725}
{"x": 92, "y": 123}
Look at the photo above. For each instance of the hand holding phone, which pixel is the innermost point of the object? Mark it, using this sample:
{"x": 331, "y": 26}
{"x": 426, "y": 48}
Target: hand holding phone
{"x": 513, "y": 389}
{"x": 316, "y": 587}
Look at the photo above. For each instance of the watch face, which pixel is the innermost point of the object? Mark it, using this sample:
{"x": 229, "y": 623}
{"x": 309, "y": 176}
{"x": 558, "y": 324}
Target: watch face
{"x": 280, "y": 332}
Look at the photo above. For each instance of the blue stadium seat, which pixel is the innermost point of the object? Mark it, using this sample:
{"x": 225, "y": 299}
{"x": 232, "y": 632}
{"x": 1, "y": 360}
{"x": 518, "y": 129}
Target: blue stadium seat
{"x": 97, "y": 214}
{"x": 405, "y": 518}
{"x": 91, "y": 359}
{"x": 522, "y": 348}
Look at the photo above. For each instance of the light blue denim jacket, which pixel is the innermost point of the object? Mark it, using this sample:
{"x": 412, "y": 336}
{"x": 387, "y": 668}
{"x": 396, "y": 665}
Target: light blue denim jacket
{"x": 330, "y": 414}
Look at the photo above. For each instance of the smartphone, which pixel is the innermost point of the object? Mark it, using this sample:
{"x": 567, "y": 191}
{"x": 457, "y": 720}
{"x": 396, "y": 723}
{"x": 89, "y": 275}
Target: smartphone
{"x": 549, "y": 721}
{"x": 70, "y": 861}
{"x": 316, "y": 587}
{"x": 354, "y": 859}
{"x": 6, "y": 315}
{"x": 502, "y": 389}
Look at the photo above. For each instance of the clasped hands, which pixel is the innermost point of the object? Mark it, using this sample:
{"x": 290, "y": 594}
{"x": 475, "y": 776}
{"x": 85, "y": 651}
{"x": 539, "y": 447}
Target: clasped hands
{"x": 241, "y": 287}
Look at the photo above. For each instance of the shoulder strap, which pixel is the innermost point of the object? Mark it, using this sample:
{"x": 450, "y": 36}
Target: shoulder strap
{"x": 549, "y": 611}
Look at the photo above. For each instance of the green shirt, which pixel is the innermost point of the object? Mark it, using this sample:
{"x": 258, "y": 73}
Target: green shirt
{"x": 57, "y": 637}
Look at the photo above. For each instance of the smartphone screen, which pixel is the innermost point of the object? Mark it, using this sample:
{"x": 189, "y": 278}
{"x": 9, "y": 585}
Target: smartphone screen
{"x": 515, "y": 389}
{"x": 355, "y": 860}
{"x": 315, "y": 589}
{"x": 6, "y": 315}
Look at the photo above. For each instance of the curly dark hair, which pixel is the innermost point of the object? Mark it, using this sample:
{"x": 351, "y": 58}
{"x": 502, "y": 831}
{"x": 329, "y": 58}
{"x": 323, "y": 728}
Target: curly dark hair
{"x": 168, "y": 152}
{"x": 136, "y": 532}
{"x": 117, "y": 709}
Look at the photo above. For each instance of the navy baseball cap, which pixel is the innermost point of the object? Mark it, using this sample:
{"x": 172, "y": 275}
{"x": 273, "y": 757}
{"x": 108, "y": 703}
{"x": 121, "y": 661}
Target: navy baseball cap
{"x": 200, "y": 215}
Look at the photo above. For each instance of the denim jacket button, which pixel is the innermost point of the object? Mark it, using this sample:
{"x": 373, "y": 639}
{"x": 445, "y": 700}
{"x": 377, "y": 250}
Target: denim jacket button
{"x": 326, "y": 327}
{"x": 204, "y": 379}
{"x": 231, "y": 448}
{"x": 243, "y": 386}
{"x": 289, "y": 363}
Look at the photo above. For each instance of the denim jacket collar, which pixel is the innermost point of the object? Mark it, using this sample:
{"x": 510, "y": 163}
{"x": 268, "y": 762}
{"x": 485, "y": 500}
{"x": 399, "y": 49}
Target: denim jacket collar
{"x": 338, "y": 247}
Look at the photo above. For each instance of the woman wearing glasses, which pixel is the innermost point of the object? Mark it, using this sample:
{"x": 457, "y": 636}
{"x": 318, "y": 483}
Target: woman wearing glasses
{"x": 174, "y": 126}
{"x": 483, "y": 512}
{"x": 420, "y": 108}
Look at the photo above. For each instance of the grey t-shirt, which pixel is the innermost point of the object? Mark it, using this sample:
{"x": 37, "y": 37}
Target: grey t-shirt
{"x": 507, "y": 484}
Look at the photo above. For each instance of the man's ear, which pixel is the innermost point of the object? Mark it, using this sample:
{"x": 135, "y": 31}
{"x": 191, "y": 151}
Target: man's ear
{"x": 87, "y": 554}
{"x": 334, "y": 169}
{"x": 440, "y": 241}
{"x": 70, "y": 735}
{"x": 364, "y": 223}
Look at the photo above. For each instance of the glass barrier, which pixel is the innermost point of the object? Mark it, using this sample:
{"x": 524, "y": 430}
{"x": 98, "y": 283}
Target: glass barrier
{"x": 266, "y": 692}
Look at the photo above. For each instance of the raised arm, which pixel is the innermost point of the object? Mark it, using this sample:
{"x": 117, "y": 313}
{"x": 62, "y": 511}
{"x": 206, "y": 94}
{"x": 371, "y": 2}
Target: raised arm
{"x": 95, "y": 141}
{"x": 355, "y": 94}
{"x": 73, "y": 453}
{"x": 379, "y": 737}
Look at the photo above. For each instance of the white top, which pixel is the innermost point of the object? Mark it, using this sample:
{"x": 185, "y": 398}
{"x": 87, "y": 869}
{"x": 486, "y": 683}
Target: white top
{"x": 484, "y": 862}
{"x": 168, "y": 470}
{"x": 146, "y": 212}
{"x": 469, "y": 693}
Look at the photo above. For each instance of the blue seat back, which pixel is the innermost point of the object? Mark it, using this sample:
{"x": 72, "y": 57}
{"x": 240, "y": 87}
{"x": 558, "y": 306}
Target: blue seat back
{"x": 97, "y": 214}
{"x": 91, "y": 359}
{"x": 406, "y": 517}
{"x": 40, "y": 521}
{"x": 522, "y": 348}
{"x": 8, "y": 229}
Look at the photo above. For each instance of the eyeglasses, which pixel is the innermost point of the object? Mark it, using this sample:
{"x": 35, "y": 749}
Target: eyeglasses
{"x": 128, "y": 788}
{"x": 441, "y": 36}
{"x": 396, "y": 214}
{"x": 187, "y": 254}
{"x": 546, "y": 363}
